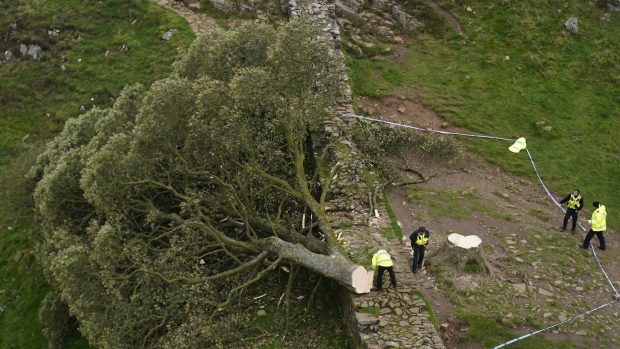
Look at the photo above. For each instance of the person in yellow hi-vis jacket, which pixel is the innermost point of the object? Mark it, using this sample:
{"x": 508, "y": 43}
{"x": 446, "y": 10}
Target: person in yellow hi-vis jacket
{"x": 383, "y": 261}
{"x": 599, "y": 225}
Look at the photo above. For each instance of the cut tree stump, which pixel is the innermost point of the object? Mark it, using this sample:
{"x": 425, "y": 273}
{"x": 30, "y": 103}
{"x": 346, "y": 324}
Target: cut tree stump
{"x": 463, "y": 253}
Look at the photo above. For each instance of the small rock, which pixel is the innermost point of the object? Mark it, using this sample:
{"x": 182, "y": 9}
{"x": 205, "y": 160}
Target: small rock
{"x": 581, "y": 333}
{"x": 579, "y": 288}
{"x": 544, "y": 292}
{"x": 169, "y": 34}
{"x": 261, "y": 313}
{"x": 18, "y": 256}
{"x": 402, "y": 110}
{"x": 546, "y": 315}
{"x": 366, "y": 319}
{"x": 572, "y": 25}
{"x": 385, "y": 311}
{"x": 443, "y": 327}
{"x": 53, "y": 32}
{"x": 520, "y": 288}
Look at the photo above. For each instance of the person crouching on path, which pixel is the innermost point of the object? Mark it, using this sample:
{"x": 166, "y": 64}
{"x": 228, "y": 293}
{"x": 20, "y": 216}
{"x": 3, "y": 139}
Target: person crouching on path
{"x": 383, "y": 261}
{"x": 599, "y": 225}
{"x": 419, "y": 240}
{"x": 574, "y": 204}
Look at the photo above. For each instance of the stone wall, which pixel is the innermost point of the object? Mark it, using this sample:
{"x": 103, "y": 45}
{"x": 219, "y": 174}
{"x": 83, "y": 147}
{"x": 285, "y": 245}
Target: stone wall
{"x": 395, "y": 318}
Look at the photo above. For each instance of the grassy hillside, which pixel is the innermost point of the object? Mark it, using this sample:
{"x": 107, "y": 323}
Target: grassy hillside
{"x": 36, "y": 97}
{"x": 520, "y": 73}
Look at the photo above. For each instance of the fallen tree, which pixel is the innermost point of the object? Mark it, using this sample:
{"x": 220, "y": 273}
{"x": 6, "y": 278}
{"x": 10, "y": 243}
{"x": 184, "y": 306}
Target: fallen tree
{"x": 162, "y": 209}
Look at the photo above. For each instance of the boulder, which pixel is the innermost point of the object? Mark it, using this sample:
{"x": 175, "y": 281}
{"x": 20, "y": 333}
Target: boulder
{"x": 572, "y": 25}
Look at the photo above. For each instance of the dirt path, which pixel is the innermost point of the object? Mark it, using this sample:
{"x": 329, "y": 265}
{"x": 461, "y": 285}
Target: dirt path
{"x": 542, "y": 277}
{"x": 199, "y": 22}
{"x": 447, "y": 15}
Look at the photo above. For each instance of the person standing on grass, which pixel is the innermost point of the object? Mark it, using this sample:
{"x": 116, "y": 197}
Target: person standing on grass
{"x": 419, "y": 240}
{"x": 383, "y": 261}
{"x": 574, "y": 204}
{"x": 599, "y": 225}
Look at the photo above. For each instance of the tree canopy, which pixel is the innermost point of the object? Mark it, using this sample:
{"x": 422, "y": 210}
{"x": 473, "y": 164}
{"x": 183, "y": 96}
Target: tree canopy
{"x": 160, "y": 210}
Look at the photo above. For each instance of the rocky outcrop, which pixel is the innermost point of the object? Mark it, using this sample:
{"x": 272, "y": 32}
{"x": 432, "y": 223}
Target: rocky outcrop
{"x": 235, "y": 5}
{"x": 407, "y": 21}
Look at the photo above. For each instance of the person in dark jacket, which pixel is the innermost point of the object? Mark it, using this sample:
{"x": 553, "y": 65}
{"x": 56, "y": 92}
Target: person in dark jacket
{"x": 574, "y": 204}
{"x": 419, "y": 240}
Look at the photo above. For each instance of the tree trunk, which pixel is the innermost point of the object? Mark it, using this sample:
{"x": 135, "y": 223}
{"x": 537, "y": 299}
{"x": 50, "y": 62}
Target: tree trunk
{"x": 352, "y": 276}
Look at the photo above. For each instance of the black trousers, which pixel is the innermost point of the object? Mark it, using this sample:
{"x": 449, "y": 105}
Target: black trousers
{"x": 599, "y": 235}
{"x": 418, "y": 256}
{"x": 379, "y": 279}
{"x": 570, "y": 212}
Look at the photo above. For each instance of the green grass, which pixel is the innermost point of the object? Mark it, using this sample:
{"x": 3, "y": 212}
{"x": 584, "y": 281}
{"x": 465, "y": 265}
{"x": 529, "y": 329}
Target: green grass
{"x": 489, "y": 332}
{"x": 36, "y": 99}
{"x": 457, "y": 204}
{"x": 551, "y": 79}
{"x": 393, "y": 231}
{"x": 369, "y": 310}
{"x": 427, "y": 306}
{"x": 373, "y": 77}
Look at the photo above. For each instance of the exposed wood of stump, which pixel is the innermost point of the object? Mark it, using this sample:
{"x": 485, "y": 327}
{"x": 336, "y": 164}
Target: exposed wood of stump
{"x": 463, "y": 253}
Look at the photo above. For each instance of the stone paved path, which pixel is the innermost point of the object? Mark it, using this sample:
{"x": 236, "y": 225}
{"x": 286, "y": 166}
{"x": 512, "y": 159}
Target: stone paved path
{"x": 393, "y": 318}
{"x": 199, "y": 22}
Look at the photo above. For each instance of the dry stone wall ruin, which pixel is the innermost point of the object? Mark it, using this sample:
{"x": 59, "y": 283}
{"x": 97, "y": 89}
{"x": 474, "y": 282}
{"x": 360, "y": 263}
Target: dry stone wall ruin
{"x": 395, "y": 318}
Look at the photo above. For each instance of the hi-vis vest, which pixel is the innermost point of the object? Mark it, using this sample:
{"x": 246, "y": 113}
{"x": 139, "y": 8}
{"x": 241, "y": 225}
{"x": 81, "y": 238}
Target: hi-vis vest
{"x": 599, "y": 219}
{"x": 381, "y": 258}
{"x": 421, "y": 239}
{"x": 574, "y": 201}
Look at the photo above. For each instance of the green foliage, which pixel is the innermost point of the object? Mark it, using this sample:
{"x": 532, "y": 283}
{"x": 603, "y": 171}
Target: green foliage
{"x": 383, "y": 148}
{"x": 56, "y": 320}
{"x": 156, "y": 211}
{"x": 377, "y": 145}
{"x": 520, "y": 73}
{"x": 36, "y": 99}
{"x": 437, "y": 147}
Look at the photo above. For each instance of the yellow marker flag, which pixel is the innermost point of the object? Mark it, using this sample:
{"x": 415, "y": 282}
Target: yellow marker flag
{"x": 518, "y": 145}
